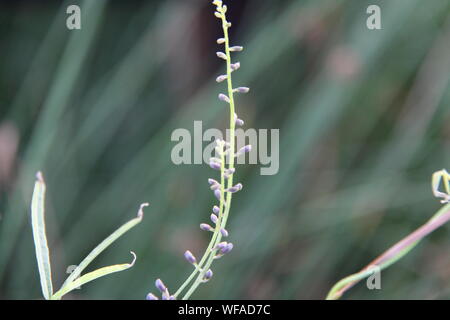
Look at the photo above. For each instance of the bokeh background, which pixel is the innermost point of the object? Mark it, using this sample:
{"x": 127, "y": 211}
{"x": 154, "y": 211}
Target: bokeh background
{"x": 363, "y": 118}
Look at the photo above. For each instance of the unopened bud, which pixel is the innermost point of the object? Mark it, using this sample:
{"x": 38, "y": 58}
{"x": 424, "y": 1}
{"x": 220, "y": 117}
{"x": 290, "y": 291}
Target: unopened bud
{"x": 236, "y": 48}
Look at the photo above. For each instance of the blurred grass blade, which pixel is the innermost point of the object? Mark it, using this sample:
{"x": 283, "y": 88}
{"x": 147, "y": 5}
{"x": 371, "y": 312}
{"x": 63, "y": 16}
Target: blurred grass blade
{"x": 40, "y": 239}
{"x": 102, "y": 246}
{"x": 92, "y": 276}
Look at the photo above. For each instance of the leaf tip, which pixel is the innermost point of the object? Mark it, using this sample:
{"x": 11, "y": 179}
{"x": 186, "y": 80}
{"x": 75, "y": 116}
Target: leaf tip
{"x": 134, "y": 258}
{"x": 39, "y": 176}
{"x": 141, "y": 209}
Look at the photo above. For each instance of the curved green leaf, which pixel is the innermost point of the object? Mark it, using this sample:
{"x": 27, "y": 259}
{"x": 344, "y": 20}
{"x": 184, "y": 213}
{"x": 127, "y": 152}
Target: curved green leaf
{"x": 68, "y": 284}
{"x": 92, "y": 276}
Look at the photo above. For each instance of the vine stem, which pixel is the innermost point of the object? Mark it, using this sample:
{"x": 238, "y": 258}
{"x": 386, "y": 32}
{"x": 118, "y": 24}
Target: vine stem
{"x": 225, "y": 205}
{"x": 393, "y": 254}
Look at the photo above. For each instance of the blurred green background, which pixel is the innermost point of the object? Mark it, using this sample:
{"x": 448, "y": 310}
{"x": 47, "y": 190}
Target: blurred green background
{"x": 363, "y": 118}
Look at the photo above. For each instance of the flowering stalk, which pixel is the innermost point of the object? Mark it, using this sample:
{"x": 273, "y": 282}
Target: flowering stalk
{"x": 404, "y": 246}
{"x": 223, "y": 190}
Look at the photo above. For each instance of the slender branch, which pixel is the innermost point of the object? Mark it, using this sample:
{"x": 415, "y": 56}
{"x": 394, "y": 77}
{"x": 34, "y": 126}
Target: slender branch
{"x": 210, "y": 254}
{"x": 227, "y": 152}
{"x": 212, "y": 242}
{"x": 393, "y": 254}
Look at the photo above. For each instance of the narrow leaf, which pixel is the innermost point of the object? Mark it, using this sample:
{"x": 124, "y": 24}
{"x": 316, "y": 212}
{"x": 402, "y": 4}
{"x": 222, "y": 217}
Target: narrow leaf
{"x": 103, "y": 245}
{"x": 92, "y": 276}
{"x": 39, "y": 236}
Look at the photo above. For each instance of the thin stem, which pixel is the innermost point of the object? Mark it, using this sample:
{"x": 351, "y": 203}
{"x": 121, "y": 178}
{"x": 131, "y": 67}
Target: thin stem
{"x": 393, "y": 254}
{"x": 208, "y": 250}
{"x": 221, "y": 223}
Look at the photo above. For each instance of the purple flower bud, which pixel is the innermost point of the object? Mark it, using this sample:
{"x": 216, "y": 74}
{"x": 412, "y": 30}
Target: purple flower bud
{"x": 151, "y": 296}
{"x": 215, "y": 187}
{"x": 214, "y": 184}
{"x": 237, "y": 121}
{"x": 221, "y": 41}
{"x": 224, "y": 232}
{"x": 241, "y": 90}
{"x": 224, "y": 98}
{"x": 227, "y": 249}
{"x": 236, "y": 48}
{"x": 221, "y": 55}
{"x": 221, "y": 78}
{"x": 243, "y": 150}
{"x": 216, "y": 209}
{"x": 212, "y": 181}
{"x": 208, "y": 275}
{"x": 160, "y": 285}
{"x": 247, "y": 148}
{"x": 165, "y": 296}
{"x": 222, "y": 245}
{"x": 206, "y": 227}
{"x": 235, "y": 66}
{"x": 215, "y": 165}
{"x": 235, "y": 188}
{"x": 214, "y": 218}
{"x": 229, "y": 172}
{"x": 190, "y": 257}
{"x": 218, "y": 194}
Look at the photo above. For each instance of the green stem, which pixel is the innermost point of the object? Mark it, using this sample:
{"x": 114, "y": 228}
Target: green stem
{"x": 221, "y": 223}
{"x": 208, "y": 250}
{"x": 393, "y": 254}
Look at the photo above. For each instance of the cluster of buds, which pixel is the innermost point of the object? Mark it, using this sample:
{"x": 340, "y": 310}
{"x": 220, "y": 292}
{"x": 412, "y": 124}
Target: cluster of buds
{"x": 223, "y": 148}
{"x": 224, "y": 151}
{"x": 226, "y": 173}
{"x": 221, "y": 9}
{"x": 164, "y": 291}
{"x": 215, "y": 220}
{"x": 192, "y": 260}
{"x": 223, "y": 248}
